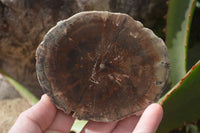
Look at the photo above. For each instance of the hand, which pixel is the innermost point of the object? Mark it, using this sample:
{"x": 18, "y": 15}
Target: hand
{"x": 44, "y": 117}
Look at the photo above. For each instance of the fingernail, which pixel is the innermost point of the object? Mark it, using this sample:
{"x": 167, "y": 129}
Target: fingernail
{"x": 44, "y": 96}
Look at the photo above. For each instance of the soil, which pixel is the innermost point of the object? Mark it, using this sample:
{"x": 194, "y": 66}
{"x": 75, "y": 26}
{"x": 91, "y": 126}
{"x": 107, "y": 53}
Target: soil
{"x": 10, "y": 110}
{"x": 9, "y": 103}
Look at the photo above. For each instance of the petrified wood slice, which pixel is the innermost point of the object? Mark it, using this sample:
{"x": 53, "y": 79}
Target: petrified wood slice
{"x": 102, "y": 66}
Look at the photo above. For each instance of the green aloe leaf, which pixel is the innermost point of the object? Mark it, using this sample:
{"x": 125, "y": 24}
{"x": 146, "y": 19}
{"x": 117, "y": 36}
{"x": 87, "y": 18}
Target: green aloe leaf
{"x": 26, "y": 94}
{"x": 193, "y": 54}
{"x": 191, "y": 129}
{"x": 178, "y": 25}
{"x": 78, "y": 125}
{"x": 182, "y": 104}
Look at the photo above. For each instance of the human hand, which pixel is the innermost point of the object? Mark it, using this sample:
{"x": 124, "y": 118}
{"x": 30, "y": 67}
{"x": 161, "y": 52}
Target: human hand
{"x": 44, "y": 117}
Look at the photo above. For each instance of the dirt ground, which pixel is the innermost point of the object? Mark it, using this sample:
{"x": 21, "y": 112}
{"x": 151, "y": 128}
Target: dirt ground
{"x": 11, "y": 105}
{"x": 10, "y": 109}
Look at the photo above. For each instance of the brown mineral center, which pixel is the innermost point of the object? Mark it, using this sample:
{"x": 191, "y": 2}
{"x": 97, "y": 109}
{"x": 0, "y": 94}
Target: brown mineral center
{"x": 102, "y": 66}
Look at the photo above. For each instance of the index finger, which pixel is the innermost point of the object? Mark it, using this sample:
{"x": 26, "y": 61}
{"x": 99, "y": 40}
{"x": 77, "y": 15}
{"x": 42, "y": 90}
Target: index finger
{"x": 150, "y": 119}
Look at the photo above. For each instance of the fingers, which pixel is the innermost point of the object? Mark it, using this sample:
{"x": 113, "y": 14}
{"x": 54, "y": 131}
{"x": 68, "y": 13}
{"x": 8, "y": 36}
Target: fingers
{"x": 148, "y": 123}
{"x": 150, "y": 119}
{"x": 37, "y": 118}
{"x": 127, "y": 125}
{"x": 99, "y": 127}
{"x": 43, "y": 117}
{"x": 62, "y": 123}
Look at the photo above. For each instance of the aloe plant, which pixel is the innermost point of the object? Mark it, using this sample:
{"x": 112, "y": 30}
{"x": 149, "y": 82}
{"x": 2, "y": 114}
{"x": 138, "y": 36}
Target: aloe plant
{"x": 181, "y": 104}
{"x": 178, "y": 26}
